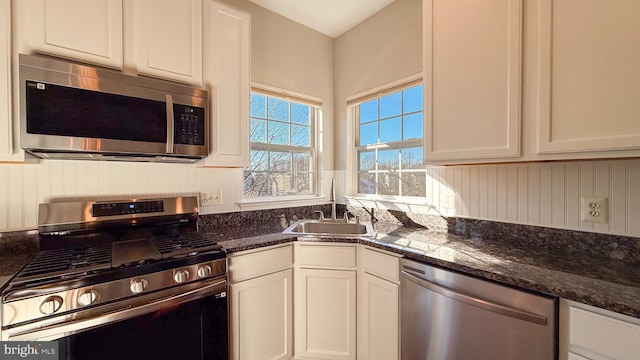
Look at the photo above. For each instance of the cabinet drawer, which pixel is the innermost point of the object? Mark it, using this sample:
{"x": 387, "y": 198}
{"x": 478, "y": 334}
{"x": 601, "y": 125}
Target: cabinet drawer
{"x": 382, "y": 265}
{"x": 604, "y": 335}
{"x": 248, "y": 265}
{"x": 334, "y": 256}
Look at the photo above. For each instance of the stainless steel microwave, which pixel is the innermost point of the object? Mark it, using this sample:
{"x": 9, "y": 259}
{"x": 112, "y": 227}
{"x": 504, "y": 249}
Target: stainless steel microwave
{"x": 74, "y": 111}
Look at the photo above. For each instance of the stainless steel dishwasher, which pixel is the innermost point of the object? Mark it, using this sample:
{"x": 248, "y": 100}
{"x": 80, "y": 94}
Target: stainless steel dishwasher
{"x": 449, "y": 316}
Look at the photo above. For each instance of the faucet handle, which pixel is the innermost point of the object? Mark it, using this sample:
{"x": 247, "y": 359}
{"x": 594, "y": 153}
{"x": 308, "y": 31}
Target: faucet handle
{"x": 321, "y": 214}
{"x": 346, "y": 217}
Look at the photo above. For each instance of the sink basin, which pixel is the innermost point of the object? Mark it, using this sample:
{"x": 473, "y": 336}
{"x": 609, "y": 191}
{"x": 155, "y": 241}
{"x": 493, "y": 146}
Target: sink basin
{"x": 328, "y": 228}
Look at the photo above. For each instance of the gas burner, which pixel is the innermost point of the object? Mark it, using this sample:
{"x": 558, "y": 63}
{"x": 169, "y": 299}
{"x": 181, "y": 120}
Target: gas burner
{"x": 184, "y": 244}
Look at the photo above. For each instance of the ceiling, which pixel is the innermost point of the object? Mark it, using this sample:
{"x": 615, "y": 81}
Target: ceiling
{"x": 331, "y": 17}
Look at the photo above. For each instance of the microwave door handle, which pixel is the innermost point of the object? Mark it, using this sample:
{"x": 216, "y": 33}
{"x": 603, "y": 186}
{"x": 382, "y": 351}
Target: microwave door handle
{"x": 170, "y": 124}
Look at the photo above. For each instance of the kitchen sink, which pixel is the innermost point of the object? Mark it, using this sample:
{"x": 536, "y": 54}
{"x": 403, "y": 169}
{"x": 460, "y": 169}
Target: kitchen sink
{"x": 330, "y": 228}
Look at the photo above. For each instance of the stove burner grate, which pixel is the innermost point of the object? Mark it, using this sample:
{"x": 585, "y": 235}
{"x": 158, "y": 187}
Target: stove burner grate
{"x": 174, "y": 245}
{"x": 58, "y": 262}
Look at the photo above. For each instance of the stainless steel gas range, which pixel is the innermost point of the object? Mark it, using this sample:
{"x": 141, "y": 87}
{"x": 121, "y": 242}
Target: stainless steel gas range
{"x": 122, "y": 280}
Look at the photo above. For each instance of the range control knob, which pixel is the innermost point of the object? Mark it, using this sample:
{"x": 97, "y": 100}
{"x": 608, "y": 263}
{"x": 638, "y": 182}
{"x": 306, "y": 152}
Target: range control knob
{"x": 204, "y": 271}
{"x": 138, "y": 285}
{"x": 88, "y": 297}
{"x": 51, "y": 305}
{"x": 181, "y": 276}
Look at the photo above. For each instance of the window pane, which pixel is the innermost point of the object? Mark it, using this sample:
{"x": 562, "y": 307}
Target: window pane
{"x": 280, "y": 161}
{"x": 366, "y": 183}
{"x": 258, "y": 105}
{"x": 278, "y": 133}
{"x": 281, "y": 184}
{"x": 414, "y": 184}
{"x": 412, "y": 158}
{"x": 259, "y": 160}
{"x": 300, "y": 135}
{"x": 391, "y": 130}
{"x": 388, "y": 183}
{"x": 302, "y": 183}
{"x": 413, "y": 99}
{"x": 369, "y": 133}
{"x": 278, "y": 109}
{"x": 388, "y": 159}
{"x": 256, "y": 184}
{"x": 367, "y": 160}
{"x": 302, "y": 162}
{"x": 391, "y": 105}
{"x": 258, "y": 130}
{"x": 413, "y": 126}
{"x": 300, "y": 113}
{"x": 369, "y": 111}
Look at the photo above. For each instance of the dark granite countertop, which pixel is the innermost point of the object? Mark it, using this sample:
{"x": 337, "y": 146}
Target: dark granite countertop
{"x": 603, "y": 282}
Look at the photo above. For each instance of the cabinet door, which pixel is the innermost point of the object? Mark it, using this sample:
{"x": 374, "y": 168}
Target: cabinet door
{"x": 227, "y": 49}
{"x": 377, "y": 319}
{"x": 6, "y": 125}
{"x": 325, "y": 314}
{"x": 88, "y": 31}
{"x": 589, "y": 53}
{"x": 262, "y": 317}
{"x": 169, "y": 39}
{"x": 472, "y": 78}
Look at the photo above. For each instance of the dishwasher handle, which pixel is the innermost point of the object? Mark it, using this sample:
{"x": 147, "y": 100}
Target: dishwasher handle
{"x": 473, "y": 301}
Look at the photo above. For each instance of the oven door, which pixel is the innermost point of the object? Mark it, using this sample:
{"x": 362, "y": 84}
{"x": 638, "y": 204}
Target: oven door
{"x": 189, "y": 325}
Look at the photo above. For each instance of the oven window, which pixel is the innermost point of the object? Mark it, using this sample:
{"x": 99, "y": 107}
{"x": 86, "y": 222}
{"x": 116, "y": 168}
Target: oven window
{"x": 194, "y": 330}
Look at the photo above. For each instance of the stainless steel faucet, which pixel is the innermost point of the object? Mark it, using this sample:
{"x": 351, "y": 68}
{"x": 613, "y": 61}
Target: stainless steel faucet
{"x": 332, "y": 198}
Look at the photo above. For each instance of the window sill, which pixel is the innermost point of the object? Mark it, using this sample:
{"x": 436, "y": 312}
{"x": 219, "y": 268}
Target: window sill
{"x": 281, "y": 202}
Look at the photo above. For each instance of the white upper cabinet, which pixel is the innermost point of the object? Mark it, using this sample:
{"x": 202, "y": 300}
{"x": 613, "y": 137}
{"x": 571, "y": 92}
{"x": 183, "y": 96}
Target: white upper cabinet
{"x": 88, "y": 31}
{"x": 227, "y": 47}
{"x": 589, "y": 72}
{"x": 7, "y": 148}
{"x": 169, "y": 39}
{"x": 472, "y": 72}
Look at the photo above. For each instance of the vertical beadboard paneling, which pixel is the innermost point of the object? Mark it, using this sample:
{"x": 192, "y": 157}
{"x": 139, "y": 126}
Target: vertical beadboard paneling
{"x": 523, "y": 193}
{"x": 602, "y": 188}
{"x": 30, "y": 195}
{"x": 483, "y": 192}
{"x": 4, "y": 197}
{"x": 534, "y": 194}
{"x": 633, "y": 204}
{"x": 572, "y": 195}
{"x": 546, "y": 195}
{"x": 16, "y": 205}
{"x": 501, "y": 192}
{"x": 512, "y": 193}
{"x": 619, "y": 194}
{"x": 492, "y": 204}
{"x": 473, "y": 186}
{"x": 587, "y": 187}
{"x": 559, "y": 204}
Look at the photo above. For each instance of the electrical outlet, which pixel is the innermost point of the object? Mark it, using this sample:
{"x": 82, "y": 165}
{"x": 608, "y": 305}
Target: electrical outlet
{"x": 211, "y": 197}
{"x": 449, "y": 199}
{"x": 595, "y": 210}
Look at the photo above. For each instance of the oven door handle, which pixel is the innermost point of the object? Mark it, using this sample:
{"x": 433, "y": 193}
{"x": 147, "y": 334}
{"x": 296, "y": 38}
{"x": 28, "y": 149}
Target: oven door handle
{"x": 59, "y": 330}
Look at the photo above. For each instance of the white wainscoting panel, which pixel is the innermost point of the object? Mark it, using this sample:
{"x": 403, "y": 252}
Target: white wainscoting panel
{"x": 24, "y": 186}
{"x": 543, "y": 194}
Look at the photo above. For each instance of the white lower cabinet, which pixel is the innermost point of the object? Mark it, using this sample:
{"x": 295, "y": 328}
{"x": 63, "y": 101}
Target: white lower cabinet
{"x": 587, "y": 332}
{"x": 378, "y": 305}
{"x": 325, "y": 301}
{"x": 261, "y": 304}
{"x": 326, "y": 314}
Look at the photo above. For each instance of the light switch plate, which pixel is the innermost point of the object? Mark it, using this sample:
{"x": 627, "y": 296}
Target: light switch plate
{"x": 594, "y": 209}
{"x": 211, "y": 197}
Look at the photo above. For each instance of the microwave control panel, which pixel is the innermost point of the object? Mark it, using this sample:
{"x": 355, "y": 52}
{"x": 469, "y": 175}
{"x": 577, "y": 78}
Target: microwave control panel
{"x": 189, "y": 125}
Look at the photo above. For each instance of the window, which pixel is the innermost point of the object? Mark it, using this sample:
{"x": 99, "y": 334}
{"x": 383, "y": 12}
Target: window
{"x": 389, "y": 142}
{"x": 283, "y": 146}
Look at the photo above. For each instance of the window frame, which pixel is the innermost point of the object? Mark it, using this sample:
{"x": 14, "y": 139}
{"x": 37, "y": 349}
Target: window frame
{"x": 353, "y": 117}
{"x": 315, "y": 150}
